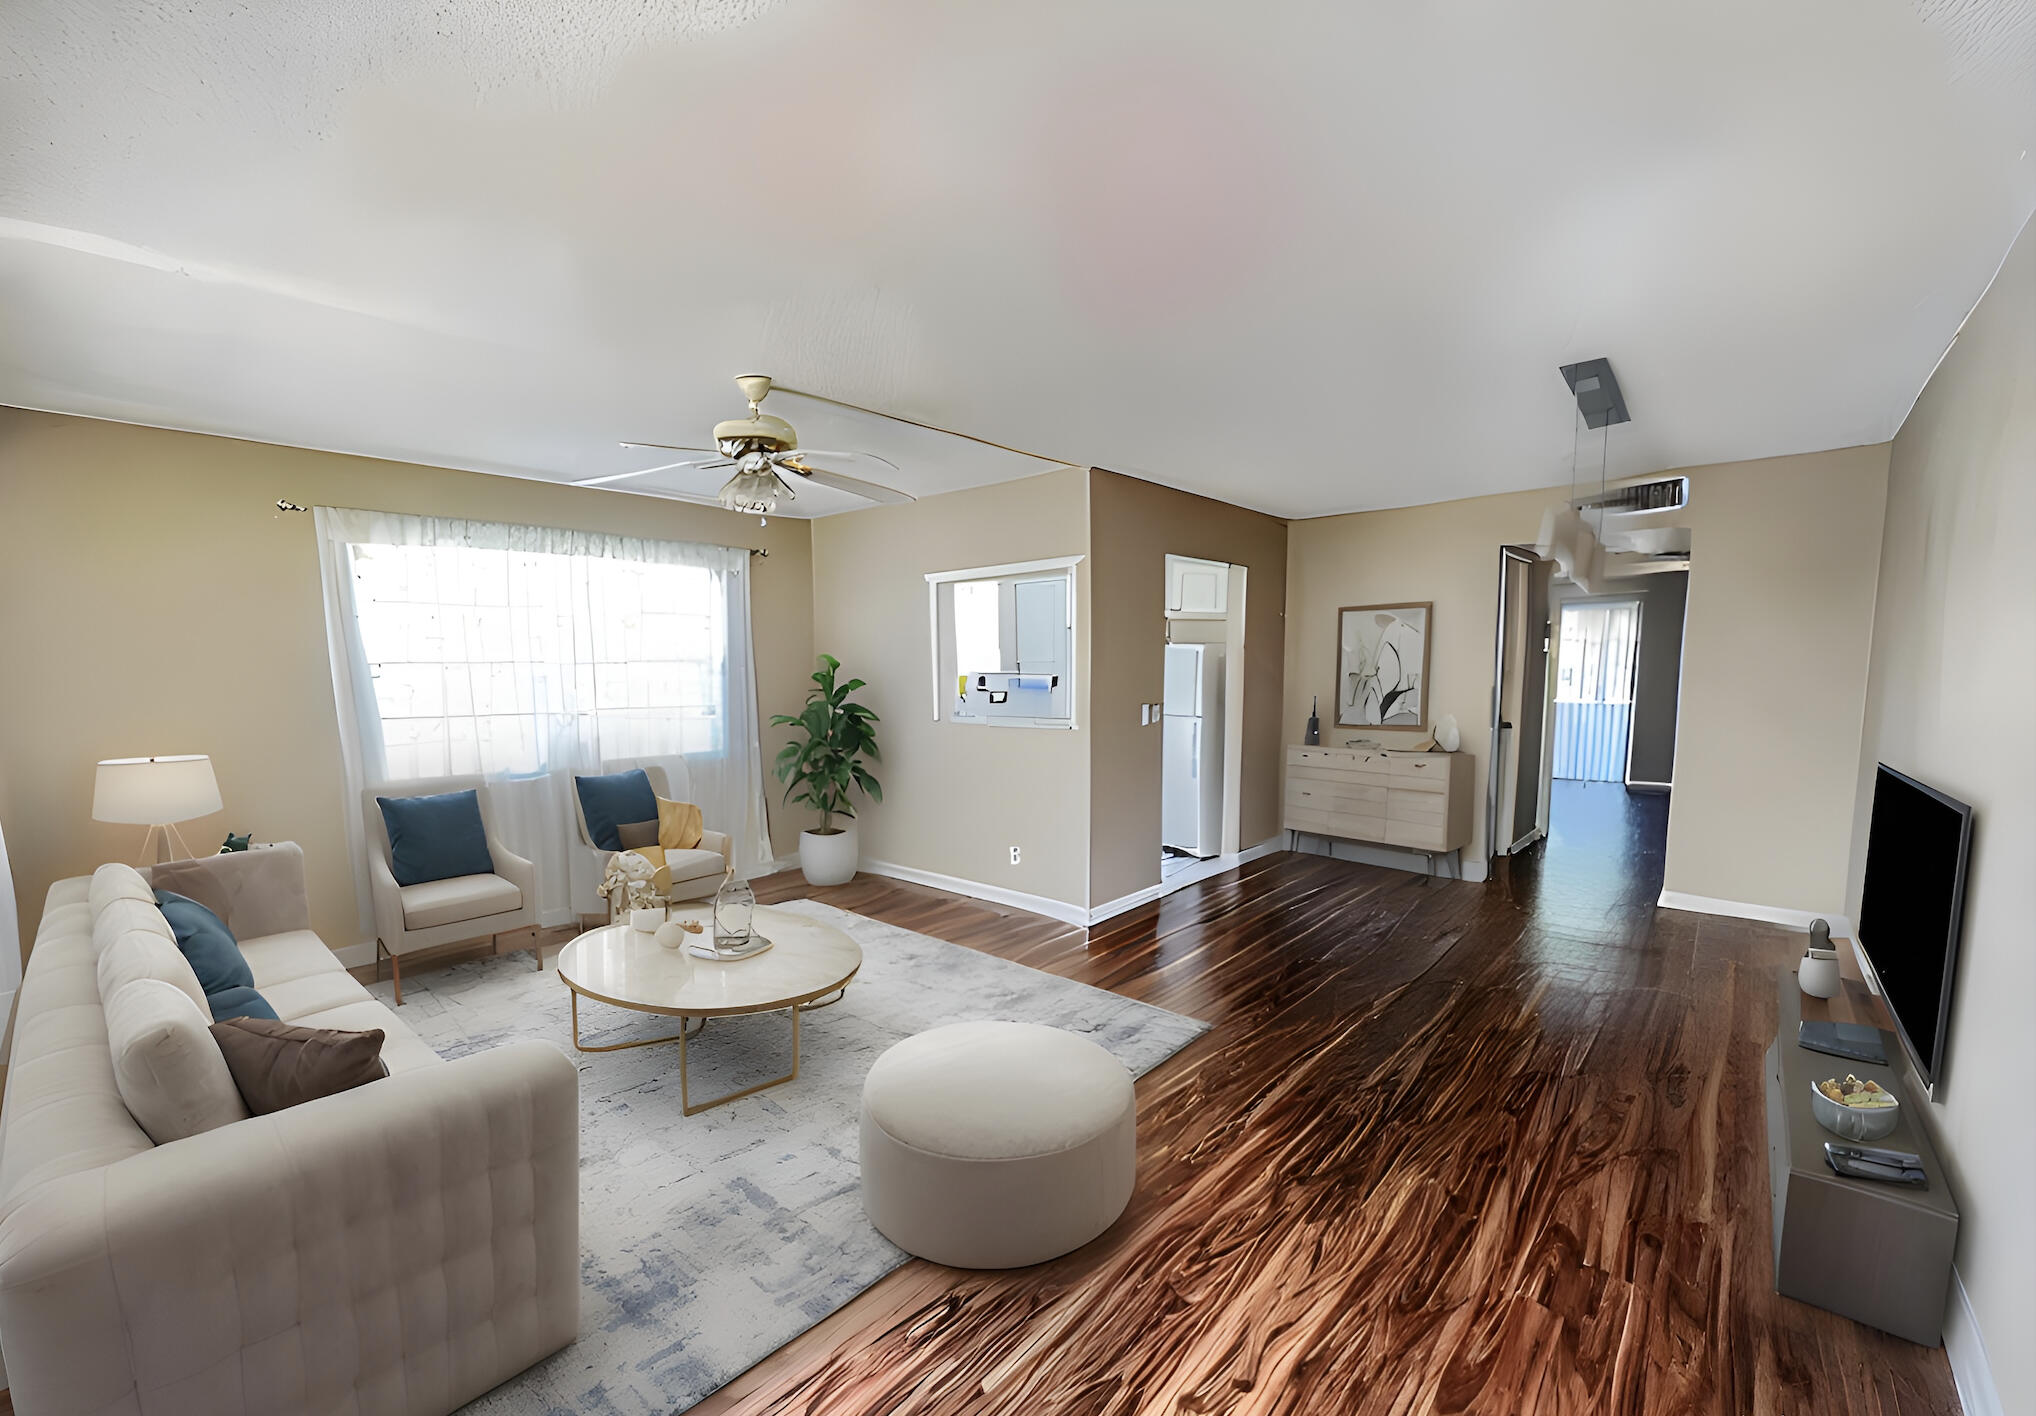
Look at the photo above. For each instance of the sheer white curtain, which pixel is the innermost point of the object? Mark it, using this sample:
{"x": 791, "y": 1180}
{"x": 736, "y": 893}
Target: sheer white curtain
{"x": 528, "y": 654}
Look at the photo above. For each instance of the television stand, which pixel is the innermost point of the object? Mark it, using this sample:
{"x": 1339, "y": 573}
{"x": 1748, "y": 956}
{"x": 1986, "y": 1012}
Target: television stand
{"x": 1875, "y": 1252}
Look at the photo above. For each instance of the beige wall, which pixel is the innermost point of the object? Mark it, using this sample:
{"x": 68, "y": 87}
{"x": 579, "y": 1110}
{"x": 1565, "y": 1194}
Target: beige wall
{"x": 152, "y": 599}
{"x": 1949, "y": 701}
{"x": 1774, "y": 654}
{"x": 1446, "y": 552}
{"x": 1136, "y": 526}
{"x": 1783, "y": 559}
{"x": 958, "y": 796}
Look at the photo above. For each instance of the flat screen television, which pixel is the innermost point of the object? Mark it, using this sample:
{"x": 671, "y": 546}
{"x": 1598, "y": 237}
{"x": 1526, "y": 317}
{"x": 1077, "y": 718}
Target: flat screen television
{"x": 1911, "y": 906}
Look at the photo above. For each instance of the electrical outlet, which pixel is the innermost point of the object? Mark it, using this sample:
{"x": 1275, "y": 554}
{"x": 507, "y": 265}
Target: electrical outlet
{"x": 1014, "y": 855}
{"x": 1144, "y": 715}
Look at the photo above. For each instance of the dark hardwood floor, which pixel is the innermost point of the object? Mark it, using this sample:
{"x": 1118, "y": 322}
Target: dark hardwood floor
{"x": 1449, "y": 1147}
{"x": 1491, "y": 1148}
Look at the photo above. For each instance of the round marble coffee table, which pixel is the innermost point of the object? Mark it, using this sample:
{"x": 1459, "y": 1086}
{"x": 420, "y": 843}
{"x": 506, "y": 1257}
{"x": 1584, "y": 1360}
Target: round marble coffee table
{"x": 807, "y": 962}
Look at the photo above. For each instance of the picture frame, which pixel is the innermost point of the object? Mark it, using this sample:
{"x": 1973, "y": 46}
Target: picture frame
{"x": 1382, "y": 655}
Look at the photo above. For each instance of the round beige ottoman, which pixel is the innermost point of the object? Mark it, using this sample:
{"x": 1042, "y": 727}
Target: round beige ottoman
{"x": 996, "y": 1145}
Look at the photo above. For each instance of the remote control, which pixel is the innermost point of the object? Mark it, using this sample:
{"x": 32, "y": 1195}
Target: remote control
{"x": 1872, "y": 1163}
{"x": 1857, "y": 1041}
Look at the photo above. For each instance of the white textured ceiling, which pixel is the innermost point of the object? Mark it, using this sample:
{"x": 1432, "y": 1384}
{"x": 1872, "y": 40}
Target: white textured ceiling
{"x": 1305, "y": 257}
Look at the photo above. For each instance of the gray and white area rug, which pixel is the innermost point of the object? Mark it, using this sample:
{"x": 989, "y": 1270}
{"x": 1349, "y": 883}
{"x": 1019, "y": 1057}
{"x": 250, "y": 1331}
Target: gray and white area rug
{"x": 709, "y": 1241}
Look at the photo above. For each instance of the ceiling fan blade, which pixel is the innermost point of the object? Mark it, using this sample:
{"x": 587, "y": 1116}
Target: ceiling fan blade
{"x": 855, "y": 485}
{"x": 803, "y": 455}
{"x": 646, "y": 471}
{"x": 667, "y": 447}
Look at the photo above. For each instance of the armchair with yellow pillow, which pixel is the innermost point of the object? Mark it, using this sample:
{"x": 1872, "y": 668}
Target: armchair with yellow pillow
{"x": 632, "y": 806}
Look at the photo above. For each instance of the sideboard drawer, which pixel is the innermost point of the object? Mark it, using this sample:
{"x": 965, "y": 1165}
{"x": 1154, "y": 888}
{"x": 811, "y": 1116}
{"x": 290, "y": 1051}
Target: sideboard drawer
{"x": 1374, "y": 776}
{"x": 1356, "y": 798}
{"x": 1345, "y": 759}
{"x": 1416, "y": 836}
{"x": 1418, "y": 808}
{"x": 1420, "y": 773}
{"x": 1348, "y": 826}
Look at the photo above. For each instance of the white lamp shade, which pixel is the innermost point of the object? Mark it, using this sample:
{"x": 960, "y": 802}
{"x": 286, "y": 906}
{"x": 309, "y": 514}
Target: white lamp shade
{"x": 154, "y": 791}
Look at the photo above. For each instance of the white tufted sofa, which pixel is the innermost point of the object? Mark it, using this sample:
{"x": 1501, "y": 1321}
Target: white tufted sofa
{"x": 400, "y": 1248}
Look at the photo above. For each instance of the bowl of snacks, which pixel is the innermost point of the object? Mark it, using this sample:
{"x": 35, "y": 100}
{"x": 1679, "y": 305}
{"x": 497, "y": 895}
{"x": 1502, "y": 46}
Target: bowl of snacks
{"x": 1856, "y": 1110}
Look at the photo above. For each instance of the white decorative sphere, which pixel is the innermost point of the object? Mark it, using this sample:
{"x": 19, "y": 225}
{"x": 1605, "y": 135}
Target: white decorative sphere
{"x": 670, "y": 936}
{"x": 1446, "y": 735}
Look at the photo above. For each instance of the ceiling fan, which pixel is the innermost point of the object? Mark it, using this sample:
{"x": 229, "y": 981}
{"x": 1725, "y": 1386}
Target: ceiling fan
{"x": 762, "y": 448}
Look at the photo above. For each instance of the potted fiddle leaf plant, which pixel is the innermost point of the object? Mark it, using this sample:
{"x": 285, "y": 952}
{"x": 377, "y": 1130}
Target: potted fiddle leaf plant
{"x": 820, "y": 765}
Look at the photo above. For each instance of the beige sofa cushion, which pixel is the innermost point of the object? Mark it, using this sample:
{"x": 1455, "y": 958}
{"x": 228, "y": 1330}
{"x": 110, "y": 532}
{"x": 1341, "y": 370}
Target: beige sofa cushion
{"x": 118, "y": 916}
{"x": 169, "y": 1070}
{"x": 114, "y": 881}
{"x": 460, "y": 897}
{"x": 142, "y": 953}
{"x": 694, "y": 865}
{"x": 402, "y": 1051}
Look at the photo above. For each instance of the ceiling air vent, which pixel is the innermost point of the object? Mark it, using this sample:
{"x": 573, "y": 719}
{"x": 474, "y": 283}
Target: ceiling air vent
{"x": 1657, "y": 494}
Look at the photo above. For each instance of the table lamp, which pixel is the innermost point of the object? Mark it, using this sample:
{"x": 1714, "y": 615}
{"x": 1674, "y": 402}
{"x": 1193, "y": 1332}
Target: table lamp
{"x": 156, "y": 792}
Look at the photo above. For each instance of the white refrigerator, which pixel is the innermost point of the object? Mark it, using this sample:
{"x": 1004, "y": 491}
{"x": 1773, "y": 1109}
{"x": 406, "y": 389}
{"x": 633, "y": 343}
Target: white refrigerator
{"x": 1191, "y": 778}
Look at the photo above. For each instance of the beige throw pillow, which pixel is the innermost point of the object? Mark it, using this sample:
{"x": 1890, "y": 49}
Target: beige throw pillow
{"x": 635, "y": 835}
{"x": 168, "y": 1068}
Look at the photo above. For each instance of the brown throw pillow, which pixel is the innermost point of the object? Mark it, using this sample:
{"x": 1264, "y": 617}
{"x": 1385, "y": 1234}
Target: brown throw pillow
{"x": 277, "y": 1065}
{"x": 637, "y": 834}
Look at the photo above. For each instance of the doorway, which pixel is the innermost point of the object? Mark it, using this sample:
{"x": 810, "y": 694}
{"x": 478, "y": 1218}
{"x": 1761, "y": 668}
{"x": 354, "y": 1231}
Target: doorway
{"x": 1580, "y": 781}
{"x": 1201, "y": 713}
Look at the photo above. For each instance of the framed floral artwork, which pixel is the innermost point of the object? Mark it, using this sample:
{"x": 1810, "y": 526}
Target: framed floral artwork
{"x": 1382, "y": 666}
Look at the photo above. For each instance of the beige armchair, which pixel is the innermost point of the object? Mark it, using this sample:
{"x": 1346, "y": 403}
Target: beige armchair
{"x": 685, "y": 875}
{"x": 434, "y": 912}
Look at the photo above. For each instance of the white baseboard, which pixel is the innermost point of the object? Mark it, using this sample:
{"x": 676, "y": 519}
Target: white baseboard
{"x": 1841, "y": 925}
{"x": 1186, "y": 876}
{"x": 1061, "y": 909}
{"x": 1966, "y": 1349}
{"x": 975, "y": 889}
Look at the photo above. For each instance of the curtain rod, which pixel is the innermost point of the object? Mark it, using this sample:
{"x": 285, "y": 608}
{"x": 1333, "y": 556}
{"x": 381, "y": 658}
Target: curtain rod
{"x": 762, "y": 552}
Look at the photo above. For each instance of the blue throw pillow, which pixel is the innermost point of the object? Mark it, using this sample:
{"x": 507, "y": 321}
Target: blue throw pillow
{"x": 436, "y": 837}
{"x": 612, "y": 802}
{"x": 241, "y": 1002}
{"x": 208, "y": 945}
{"x": 214, "y": 955}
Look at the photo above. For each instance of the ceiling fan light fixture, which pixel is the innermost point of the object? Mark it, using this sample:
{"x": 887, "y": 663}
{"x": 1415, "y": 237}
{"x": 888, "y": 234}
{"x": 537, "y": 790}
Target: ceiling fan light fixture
{"x": 757, "y": 493}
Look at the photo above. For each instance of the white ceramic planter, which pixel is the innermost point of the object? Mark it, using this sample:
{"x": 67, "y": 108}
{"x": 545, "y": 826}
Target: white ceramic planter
{"x": 828, "y": 860}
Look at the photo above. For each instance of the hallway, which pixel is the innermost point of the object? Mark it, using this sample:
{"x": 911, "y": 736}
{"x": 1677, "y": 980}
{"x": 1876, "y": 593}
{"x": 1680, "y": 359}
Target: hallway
{"x": 1603, "y": 854}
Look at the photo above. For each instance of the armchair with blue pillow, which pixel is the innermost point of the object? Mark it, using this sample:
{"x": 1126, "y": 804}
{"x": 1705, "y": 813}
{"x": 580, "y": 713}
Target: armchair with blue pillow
{"x": 633, "y": 804}
{"x": 439, "y": 872}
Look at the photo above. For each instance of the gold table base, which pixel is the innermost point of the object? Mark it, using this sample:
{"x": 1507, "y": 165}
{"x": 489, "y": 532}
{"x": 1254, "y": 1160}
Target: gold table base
{"x": 684, "y": 1032}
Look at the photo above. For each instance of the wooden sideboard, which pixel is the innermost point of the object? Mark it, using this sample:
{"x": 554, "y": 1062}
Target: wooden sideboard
{"x": 1420, "y": 801}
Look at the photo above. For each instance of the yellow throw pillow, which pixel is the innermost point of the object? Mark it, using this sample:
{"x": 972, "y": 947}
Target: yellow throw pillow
{"x": 678, "y": 825}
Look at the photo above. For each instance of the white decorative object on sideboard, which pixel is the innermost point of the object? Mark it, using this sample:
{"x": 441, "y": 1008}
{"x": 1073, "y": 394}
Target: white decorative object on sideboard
{"x": 1416, "y": 800}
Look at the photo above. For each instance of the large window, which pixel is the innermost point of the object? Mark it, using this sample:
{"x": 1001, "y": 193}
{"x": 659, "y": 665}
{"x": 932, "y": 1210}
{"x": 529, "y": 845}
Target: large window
{"x": 480, "y": 657}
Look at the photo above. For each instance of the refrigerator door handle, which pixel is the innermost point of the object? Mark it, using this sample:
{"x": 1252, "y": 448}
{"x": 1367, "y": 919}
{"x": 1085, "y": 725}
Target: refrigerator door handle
{"x": 1195, "y": 752}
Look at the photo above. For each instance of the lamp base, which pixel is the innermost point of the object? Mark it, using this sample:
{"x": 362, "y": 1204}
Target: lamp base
{"x": 169, "y": 844}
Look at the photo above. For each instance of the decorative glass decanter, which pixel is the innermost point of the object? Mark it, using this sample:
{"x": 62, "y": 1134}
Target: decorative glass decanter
{"x": 734, "y": 913}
